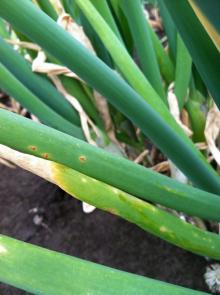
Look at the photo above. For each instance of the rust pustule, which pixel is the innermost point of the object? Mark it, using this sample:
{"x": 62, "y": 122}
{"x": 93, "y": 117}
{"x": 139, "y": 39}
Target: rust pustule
{"x": 45, "y": 155}
{"x": 82, "y": 159}
{"x": 32, "y": 147}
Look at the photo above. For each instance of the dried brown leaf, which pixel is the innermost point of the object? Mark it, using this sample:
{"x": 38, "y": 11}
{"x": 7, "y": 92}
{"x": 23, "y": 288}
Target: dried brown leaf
{"x": 23, "y": 44}
{"x": 174, "y": 110}
{"x": 161, "y": 167}
{"x": 7, "y": 163}
{"x": 75, "y": 30}
{"x": 141, "y": 157}
{"x": 103, "y": 109}
{"x": 212, "y": 129}
{"x": 85, "y": 120}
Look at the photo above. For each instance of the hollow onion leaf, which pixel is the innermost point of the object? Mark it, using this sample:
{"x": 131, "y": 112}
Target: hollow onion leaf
{"x": 97, "y": 163}
{"x": 42, "y": 271}
{"x": 205, "y": 55}
{"x": 16, "y": 89}
{"x": 175, "y": 145}
{"x": 37, "y": 84}
{"x": 183, "y": 72}
{"x": 143, "y": 43}
{"x": 209, "y": 17}
{"x": 48, "y": 8}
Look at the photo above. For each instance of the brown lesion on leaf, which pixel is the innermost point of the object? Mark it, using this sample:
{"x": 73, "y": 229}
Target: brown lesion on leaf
{"x": 45, "y": 155}
{"x": 82, "y": 159}
{"x": 32, "y": 147}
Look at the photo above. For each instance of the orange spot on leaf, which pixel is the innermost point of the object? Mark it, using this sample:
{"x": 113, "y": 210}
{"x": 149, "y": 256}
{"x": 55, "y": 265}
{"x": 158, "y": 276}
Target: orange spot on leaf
{"x": 33, "y": 148}
{"x": 45, "y": 155}
{"x": 82, "y": 159}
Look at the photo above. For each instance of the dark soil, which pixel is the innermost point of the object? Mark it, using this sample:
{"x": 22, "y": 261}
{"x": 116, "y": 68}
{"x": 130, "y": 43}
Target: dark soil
{"x": 98, "y": 237}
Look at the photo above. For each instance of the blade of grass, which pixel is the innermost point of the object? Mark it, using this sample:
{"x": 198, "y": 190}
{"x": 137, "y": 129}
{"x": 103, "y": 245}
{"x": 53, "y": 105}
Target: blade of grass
{"x": 40, "y": 86}
{"x": 116, "y": 171}
{"x": 183, "y": 72}
{"x": 199, "y": 44}
{"x": 13, "y": 87}
{"x": 143, "y": 43}
{"x": 62, "y": 274}
{"x": 69, "y": 51}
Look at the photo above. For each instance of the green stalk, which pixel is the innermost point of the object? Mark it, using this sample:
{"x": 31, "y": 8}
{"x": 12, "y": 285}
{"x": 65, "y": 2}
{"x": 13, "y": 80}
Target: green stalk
{"x": 101, "y": 51}
{"x": 76, "y": 57}
{"x": 40, "y": 86}
{"x": 122, "y": 24}
{"x": 105, "y": 12}
{"x": 169, "y": 27}
{"x": 183, "y": 72}
{"x": 142, "y": 39}
{"x": 48, "y": 8}
{"x": 195, "y": 107}
{"x": 209, "y": 17}
{"x": 16, "y": 89}
{"x": 145, "y": 215}
{"x": 42, "y": 271}
{"x": 71, "y": 8}
{"x": 90, "y": 32}
{"x": 116, "y": 171}
{"x": 163, "y": 59}
{"x": 198, "y": 82}
{"x": 115, "y": 201}
{"x": 97, "y": 44}
{"x": 199, "y": 44}
{"x": 121, "y": 57}
{"x": 197, "y": 120}
{"x": 3, "y": 31}
{"x": 67, "y": 5}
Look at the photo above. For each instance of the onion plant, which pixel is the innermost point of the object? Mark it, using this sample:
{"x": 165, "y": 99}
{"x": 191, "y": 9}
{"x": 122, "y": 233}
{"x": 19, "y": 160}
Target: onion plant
{"x": 110, "y": 85}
